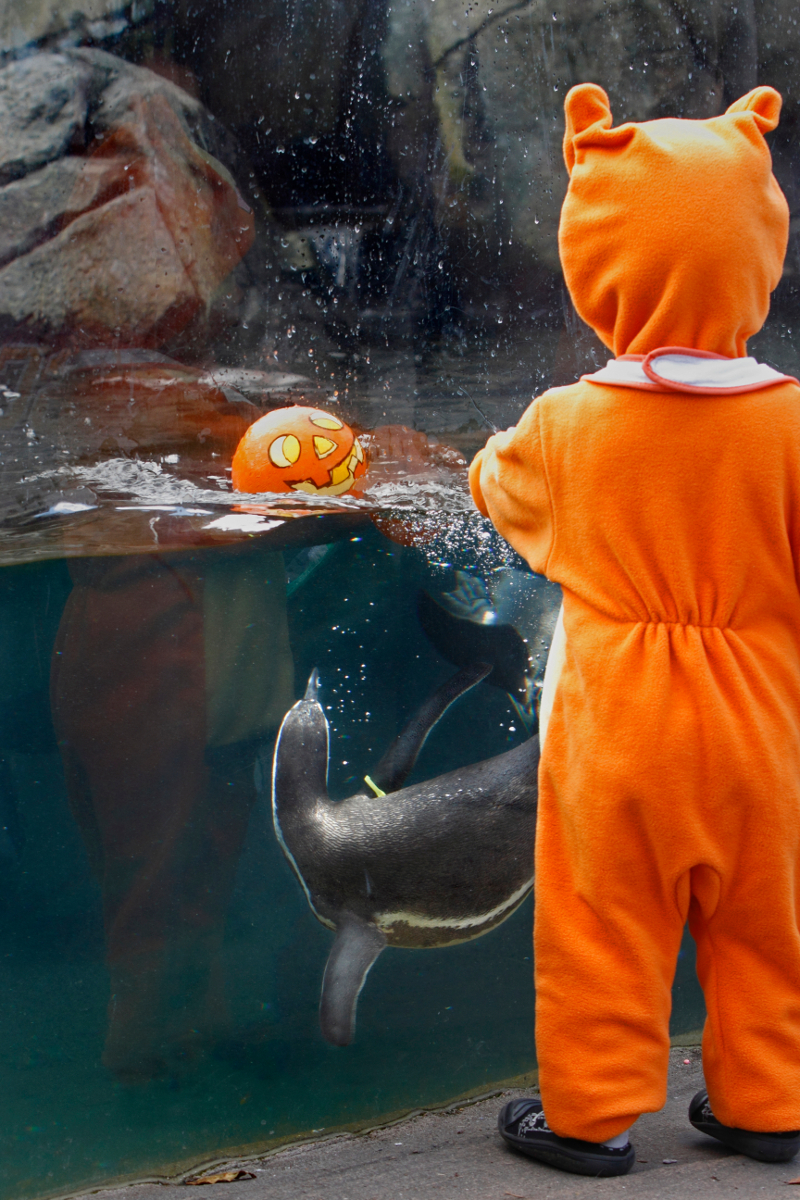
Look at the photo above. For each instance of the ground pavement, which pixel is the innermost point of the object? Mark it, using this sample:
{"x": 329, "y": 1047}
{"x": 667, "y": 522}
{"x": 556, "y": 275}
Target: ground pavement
{"x": 457, "y": 1155}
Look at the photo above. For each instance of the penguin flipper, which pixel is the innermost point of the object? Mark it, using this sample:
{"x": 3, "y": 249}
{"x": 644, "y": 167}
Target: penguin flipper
{"x": 358, "y": 943}
{"x": 398, "y": 761}
{"x": 462, "y": 641}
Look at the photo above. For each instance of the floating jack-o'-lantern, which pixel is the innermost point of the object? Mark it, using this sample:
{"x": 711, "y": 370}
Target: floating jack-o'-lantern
{"x": 298, "y": 450}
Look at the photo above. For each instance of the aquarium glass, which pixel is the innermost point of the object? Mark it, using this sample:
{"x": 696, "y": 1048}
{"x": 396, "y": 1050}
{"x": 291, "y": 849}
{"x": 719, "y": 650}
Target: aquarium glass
{"x": 209, "y": 212}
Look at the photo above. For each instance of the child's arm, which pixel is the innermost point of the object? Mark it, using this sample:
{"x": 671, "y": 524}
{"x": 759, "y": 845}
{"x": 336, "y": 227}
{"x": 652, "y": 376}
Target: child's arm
{"x": 509, "y": 485}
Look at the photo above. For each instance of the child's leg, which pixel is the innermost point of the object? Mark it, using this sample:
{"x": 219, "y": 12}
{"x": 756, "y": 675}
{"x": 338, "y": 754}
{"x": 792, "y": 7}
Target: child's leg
{"x": 748, "y": 962}
{"x": 609, "y": 917}
{"x": 607, "y": 935}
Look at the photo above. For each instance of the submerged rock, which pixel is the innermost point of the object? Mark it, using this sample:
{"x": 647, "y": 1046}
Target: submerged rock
{"x": 65, "y": 410}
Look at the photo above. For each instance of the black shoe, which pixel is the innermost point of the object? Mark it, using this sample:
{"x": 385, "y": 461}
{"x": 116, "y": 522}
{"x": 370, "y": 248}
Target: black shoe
{"x": 766, "y": 1147}
{"x": 523, "y": 1125}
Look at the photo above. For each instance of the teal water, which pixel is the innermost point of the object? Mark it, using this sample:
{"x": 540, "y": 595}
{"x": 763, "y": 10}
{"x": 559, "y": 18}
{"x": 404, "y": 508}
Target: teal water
{"x": 223, "y": 1053}
{"x": 432, "y": 1024}
{"x": 219, "y": 1050}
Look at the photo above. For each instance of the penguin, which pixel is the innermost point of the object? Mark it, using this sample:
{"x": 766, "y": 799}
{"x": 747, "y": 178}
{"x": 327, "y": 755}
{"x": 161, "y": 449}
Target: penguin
{"x": 508, "y": 623}
{"x": 429, "y": 865}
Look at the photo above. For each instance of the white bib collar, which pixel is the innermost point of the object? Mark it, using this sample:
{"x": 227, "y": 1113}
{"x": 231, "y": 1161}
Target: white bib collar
{"x": 680, "y": 369}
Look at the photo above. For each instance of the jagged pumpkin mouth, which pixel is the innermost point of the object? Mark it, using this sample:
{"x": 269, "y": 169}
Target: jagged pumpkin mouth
{"x": 342, "y": 476}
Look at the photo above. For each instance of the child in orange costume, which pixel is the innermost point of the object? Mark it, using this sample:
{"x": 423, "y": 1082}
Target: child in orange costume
{"x": 663, "y": 494}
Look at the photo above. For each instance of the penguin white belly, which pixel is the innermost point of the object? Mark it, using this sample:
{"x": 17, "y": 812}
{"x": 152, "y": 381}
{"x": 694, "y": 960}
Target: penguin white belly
{"x": 552, "y": 673}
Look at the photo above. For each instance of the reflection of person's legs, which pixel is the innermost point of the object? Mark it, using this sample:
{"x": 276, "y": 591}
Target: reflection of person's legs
{"x": 249, "y": 677}
{"x": 164, "y": 819}
{"x": 128, "y": 701}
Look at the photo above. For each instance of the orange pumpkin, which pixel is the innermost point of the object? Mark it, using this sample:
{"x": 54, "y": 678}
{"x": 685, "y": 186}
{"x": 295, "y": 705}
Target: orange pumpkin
{"x": 298, "y": 450}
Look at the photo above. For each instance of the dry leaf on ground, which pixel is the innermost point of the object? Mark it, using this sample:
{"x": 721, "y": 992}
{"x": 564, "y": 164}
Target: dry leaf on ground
{"x": 219, "y": 1177}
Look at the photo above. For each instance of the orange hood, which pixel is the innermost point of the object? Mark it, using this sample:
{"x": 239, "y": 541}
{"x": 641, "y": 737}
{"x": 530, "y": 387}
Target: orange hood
{"x": 673, "y": 232}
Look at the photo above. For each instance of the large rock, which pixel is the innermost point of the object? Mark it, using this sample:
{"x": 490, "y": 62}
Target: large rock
{"x": 44, "y": 102}
{"x": 33, "y": 209}
{"x": 26, "y": 22}
{"x": 127, "y": 238}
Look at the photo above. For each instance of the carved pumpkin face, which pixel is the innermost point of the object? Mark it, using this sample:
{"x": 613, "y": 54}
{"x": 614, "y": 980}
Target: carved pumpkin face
{"x": 298, "y": 450}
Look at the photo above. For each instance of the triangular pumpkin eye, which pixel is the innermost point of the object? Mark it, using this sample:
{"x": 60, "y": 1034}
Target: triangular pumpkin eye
{"x": 323, "y": 447}
{"x": 327, "y": 422}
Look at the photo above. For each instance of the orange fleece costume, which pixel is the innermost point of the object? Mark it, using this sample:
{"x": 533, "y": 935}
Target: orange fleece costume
{"x": 670, "y": 774}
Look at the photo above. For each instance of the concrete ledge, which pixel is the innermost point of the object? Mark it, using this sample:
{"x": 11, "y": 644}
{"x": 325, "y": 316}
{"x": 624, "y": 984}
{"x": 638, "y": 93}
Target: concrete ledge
{"x": 456, "y": 1154}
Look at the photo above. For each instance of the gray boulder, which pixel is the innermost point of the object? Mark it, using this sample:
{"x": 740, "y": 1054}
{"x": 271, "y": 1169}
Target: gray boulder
{"x": 35, "y": 208}
{"x": 25, "y": 23}
{"x": 129, "y": 226}
{"x": 44, "y": 104}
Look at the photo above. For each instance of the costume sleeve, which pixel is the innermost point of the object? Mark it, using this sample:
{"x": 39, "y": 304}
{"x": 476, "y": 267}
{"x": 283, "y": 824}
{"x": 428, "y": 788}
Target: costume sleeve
{"x": 509, "y": 485}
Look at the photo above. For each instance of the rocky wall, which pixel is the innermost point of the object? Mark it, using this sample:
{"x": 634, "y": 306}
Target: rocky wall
{"x": 496, "y": 75}
{"x": 409, "y": 152}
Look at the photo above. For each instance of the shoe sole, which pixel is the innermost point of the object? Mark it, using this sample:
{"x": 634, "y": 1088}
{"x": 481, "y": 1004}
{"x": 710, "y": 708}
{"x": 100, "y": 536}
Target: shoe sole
{"x": 763, "y": 1147}
{"x": 565, "y": 1154}
{"x": 753, "y": 1145}
{"x": 576, "y": 1162}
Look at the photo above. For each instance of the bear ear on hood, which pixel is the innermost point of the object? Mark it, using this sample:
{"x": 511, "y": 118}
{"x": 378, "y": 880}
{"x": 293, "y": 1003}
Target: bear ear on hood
{"x": 765, "y": 105}
{"x": 588, "y": 121}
